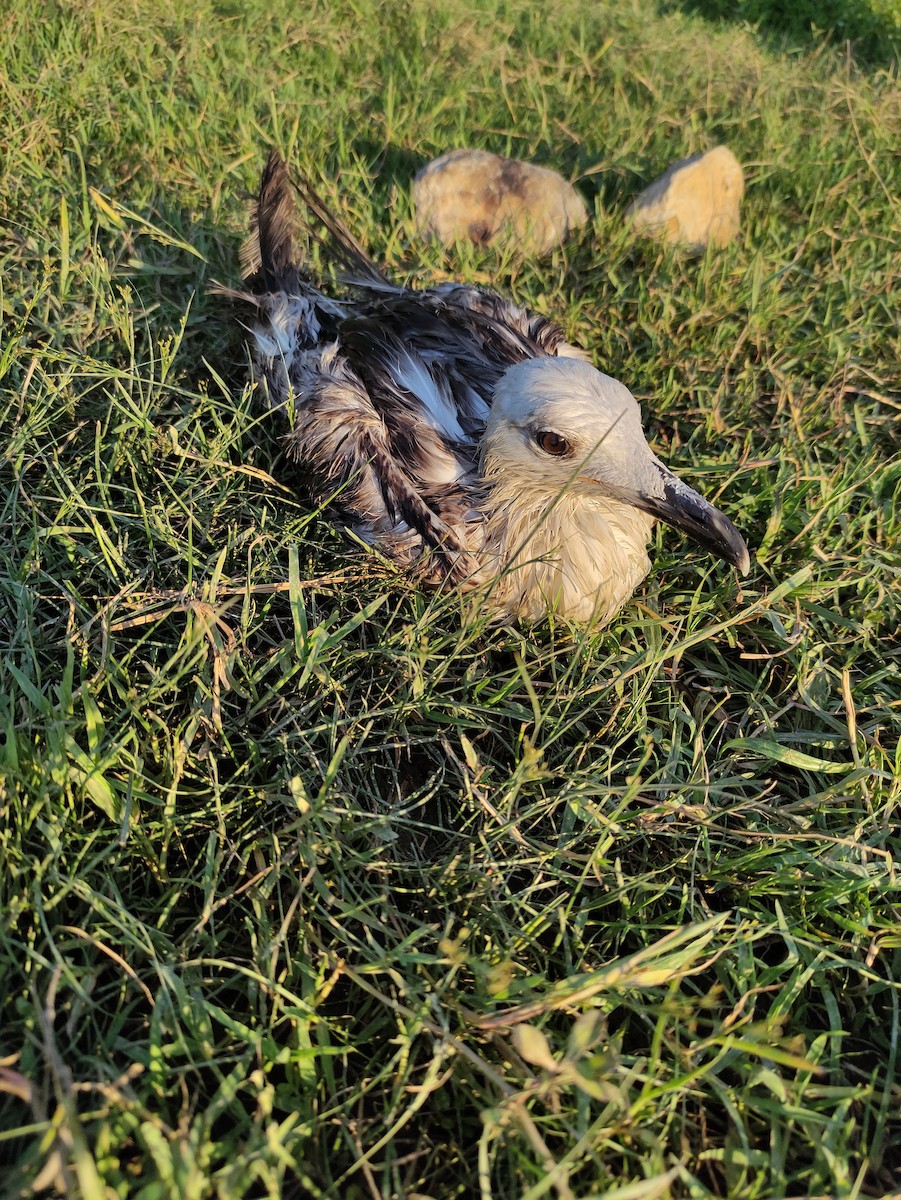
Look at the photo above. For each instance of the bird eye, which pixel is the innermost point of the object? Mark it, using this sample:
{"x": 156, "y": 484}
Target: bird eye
{"x": 552, "y": 443}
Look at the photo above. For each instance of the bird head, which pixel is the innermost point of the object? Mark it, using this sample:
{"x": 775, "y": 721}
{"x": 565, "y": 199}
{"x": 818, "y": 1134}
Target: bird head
{"x": 559, "y": 425}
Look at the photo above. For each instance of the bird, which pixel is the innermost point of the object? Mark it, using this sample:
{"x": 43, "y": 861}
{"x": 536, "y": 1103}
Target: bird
{"x": 457, "y": 432}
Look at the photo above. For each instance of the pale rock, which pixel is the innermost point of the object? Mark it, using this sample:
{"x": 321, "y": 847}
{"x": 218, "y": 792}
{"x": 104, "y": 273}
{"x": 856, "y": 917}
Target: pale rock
{"x": 488, "y": 198}
{"x": 696, "y": 201}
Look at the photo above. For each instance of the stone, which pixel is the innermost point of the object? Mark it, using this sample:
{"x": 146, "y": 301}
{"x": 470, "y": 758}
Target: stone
{"x": 696, "y": 201}
{"x": 489, "y": 199}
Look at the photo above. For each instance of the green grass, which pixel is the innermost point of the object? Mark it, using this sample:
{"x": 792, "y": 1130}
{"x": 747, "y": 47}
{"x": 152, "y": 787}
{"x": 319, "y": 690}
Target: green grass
{"x": 315, "y": 885}
{"x": 870, "y": 28}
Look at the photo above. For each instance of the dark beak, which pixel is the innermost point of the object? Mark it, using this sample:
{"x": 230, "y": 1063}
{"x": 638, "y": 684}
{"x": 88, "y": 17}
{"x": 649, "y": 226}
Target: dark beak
{"x": 680, "y": 506}
{"x": 664, "y": 496}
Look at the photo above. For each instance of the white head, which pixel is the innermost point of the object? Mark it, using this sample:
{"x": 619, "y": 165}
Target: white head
{"x": 557, "y": 424}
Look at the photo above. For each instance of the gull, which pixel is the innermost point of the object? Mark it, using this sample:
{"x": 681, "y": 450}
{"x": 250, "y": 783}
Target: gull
{"x": 456, "y": 432}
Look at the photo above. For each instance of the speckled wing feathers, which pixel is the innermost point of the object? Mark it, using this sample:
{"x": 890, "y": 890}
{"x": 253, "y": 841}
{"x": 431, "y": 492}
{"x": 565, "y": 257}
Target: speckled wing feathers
{"x": 345, "y": 441}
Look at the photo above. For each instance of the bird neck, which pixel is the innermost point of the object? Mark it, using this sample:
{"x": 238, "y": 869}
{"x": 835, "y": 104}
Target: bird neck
{"x": 581, "y": 553}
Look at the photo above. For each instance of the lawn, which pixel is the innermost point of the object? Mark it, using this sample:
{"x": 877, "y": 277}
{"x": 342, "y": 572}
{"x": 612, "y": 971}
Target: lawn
{"x": 316, "y": 885}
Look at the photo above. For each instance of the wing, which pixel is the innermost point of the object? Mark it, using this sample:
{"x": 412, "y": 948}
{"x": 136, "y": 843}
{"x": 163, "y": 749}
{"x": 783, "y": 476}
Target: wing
{"x": 445, "y": 347}
{"x": 406, "y": 505}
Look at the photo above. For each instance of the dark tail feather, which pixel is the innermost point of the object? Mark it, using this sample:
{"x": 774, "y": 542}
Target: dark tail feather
{"x": 270, "y": 251}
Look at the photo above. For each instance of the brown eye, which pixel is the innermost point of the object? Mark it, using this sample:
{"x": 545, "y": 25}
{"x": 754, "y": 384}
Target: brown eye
{"x": 552, "y": 443}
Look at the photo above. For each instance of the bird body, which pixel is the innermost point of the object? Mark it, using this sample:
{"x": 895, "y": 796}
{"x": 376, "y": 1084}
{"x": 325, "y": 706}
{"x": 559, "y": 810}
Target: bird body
{"x": 458, "y": 432}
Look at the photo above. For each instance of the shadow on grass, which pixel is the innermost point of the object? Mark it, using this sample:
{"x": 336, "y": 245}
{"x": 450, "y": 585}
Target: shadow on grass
{"x": 871, "y": 27}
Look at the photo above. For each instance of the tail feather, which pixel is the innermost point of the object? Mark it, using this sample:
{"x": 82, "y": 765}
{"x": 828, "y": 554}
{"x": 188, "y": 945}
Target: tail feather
{"x": 270, "y": 252}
